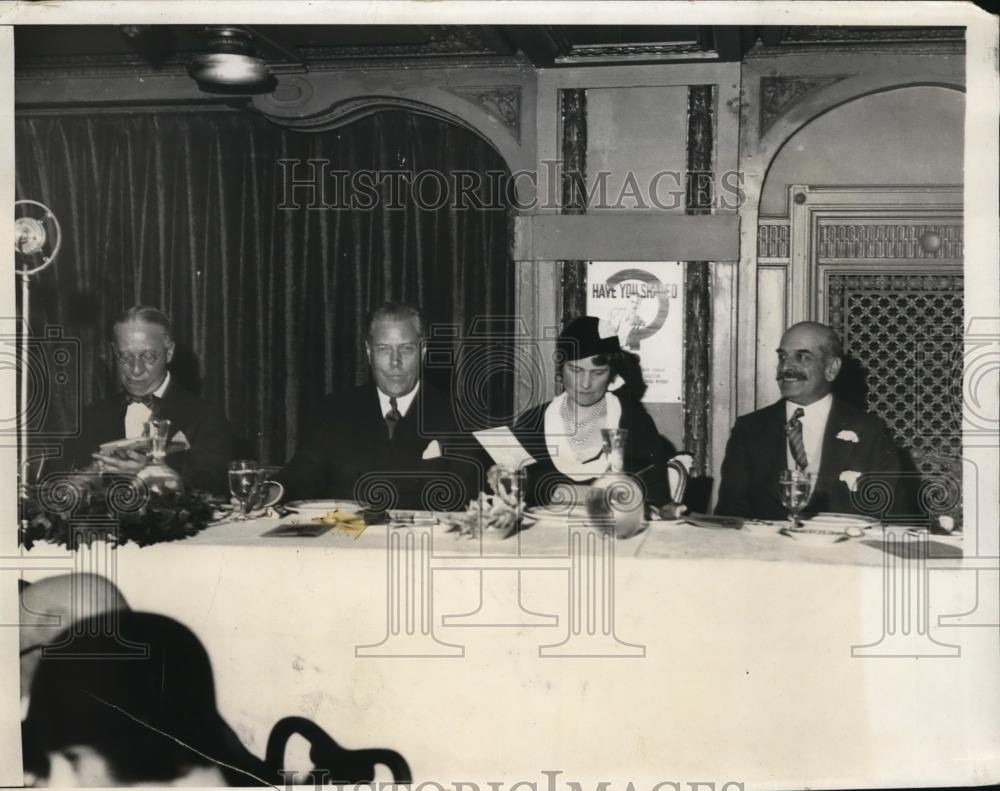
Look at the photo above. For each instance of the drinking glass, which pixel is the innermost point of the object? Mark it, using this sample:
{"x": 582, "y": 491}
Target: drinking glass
{"x": 510, "y": 486}
{"x": 796, "y": 487}
{"x": 614, "y": 440}
{"x": 243, "y": 482}
{"x": 157, "y": 431}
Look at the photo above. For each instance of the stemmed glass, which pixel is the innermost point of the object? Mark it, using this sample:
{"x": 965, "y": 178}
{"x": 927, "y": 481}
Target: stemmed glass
{"x": 614, "y": 440}
{"x": 796, "y": 487}
{"x": 243, "y": 477}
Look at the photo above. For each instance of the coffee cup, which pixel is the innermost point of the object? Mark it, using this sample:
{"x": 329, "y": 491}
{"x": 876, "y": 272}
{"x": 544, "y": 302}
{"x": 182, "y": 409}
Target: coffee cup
{"x": 267, "y": 493}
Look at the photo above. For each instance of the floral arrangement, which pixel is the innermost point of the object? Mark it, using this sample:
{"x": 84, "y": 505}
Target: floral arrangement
{"x": 502, "y": 514}
{"x": 80, "y": 508}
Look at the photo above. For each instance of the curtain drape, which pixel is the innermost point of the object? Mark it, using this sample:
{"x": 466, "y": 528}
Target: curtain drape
{"x": 190, "y": 212}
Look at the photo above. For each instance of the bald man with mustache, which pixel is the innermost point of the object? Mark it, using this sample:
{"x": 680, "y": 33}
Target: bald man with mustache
{"x": 812, "y": 430}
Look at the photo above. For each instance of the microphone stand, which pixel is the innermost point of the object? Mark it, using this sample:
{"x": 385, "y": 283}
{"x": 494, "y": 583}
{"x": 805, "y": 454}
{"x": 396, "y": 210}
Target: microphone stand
{"x": 30, "y": 237}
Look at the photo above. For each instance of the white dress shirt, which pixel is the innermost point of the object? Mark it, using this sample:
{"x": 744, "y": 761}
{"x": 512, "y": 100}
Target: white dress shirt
{"x": 813, "y": 428}
{"x": 137, "y": 414}
{"x": 402, "y": 402}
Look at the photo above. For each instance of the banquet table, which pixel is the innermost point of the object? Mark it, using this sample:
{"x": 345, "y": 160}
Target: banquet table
{"x": 683, "y": 654}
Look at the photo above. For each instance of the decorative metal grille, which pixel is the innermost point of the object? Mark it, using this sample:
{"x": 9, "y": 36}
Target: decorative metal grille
{"x": 887, "y": 241}
{"x": 906, "y": 333}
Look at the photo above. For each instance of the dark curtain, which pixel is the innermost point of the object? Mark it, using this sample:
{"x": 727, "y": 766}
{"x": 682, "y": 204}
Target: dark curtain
{"x": 183, "y": 211}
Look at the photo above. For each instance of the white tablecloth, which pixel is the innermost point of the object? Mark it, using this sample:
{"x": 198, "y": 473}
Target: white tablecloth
{"x": 731, "y": 655}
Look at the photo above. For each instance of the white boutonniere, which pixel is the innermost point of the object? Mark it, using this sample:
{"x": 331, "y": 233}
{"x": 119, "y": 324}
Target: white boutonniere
{"x": 850, "y": 477}
{"x": 432, "y": 451}
{"x": 848, "y": 436}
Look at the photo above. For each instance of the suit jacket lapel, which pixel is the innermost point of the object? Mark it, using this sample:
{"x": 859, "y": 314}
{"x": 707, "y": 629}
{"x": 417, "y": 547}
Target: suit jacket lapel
{"x": 114, "y": 416}
{"x": 169, "y": 407}
{"x": 835, "y": 458}
{"x": 835, "y": 452}
{"x": 774, "y": 455}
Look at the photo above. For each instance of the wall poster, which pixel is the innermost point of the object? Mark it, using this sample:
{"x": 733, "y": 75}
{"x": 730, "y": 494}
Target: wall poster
{"x": 643, "y": 303}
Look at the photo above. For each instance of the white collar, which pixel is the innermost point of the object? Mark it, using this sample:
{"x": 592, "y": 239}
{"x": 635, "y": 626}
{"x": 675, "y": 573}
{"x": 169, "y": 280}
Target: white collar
{"x": 817, "y": 411}
{"x": 402, "y": 402}
{"x": 159, "y": 391}
{"x": 558, "y": 444}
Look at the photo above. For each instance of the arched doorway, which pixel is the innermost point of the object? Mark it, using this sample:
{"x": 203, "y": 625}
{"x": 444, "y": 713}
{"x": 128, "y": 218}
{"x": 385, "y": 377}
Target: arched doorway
{"x": 189, "y": 210}
{"x": 861, "y": 228}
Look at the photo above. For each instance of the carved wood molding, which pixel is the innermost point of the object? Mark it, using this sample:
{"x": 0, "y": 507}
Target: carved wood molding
{"x": 447, "y": 44}
{"x": 700, "y": 176}
{"x": 838, "y": 33}
{"x": 889, "y": 240}
{"x": 773, "y": 240}
{"x": 779, "y": 94}
{"x": 573, "y": 113}
{"x": 344, "y": 112}
{"x": 697, "y": 278}
{"x": 582, "y": 54}
{"x": 502, "y": 102}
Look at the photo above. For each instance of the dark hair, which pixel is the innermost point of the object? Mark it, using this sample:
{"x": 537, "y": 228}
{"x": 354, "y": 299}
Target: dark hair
{"x": 397, "y": 311}
{"x": 149, "y": 315}
{"x": 152, "y": 718}
{"x": 613, "y": 360}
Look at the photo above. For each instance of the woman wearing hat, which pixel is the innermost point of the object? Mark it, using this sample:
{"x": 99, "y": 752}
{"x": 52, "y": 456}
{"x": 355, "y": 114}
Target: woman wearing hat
{"x": 564, "y": 435}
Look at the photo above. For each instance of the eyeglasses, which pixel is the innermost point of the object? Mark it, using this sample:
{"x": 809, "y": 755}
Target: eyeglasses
{"x": 147, "y": 358}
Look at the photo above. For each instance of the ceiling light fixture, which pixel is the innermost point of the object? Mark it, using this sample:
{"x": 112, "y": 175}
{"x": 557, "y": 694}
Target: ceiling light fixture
{"x": 231, "y": 63}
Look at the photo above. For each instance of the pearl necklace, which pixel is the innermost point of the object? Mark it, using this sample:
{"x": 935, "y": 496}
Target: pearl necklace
{"x": 585, "y": 427}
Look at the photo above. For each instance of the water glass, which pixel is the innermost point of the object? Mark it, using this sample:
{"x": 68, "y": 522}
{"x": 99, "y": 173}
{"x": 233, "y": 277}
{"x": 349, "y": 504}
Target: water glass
{"x": 243, "y": 483}
{"x": 157, "y": 431}
{"x": 614, "y": 447}
{"x": 796, "y": 488}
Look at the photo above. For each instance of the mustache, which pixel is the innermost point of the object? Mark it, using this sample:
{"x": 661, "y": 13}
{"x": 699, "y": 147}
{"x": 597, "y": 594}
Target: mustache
{"x": 796, "y": 375}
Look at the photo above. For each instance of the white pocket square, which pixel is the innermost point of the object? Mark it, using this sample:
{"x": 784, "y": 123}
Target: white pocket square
{"x": 432, "y": 451}
{"x": 181, "y": 439}
{"x": 848, "y": 436}
{"x": 850, "y": 477}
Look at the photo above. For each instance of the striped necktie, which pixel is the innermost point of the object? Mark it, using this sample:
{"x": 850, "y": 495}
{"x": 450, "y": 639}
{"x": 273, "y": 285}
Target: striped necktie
{"x": 392, "y": 417}
{"x": 794, "y": 431}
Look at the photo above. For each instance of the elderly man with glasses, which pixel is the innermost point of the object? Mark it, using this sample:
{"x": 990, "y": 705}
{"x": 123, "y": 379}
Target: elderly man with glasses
{"x": 143, "y": 346}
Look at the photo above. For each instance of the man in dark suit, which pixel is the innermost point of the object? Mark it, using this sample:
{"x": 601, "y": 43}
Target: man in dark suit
{"x": 390, "y": 442}
{"x": 811, "y": 430}
{"x": 143, "y": 347}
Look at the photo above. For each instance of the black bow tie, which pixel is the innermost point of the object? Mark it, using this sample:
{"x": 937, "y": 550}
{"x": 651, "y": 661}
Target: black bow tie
{"x": 146, "y": 400}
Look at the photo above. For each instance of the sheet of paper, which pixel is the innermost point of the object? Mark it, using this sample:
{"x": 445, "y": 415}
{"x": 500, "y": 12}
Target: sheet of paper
{"x": 504, "y": 448}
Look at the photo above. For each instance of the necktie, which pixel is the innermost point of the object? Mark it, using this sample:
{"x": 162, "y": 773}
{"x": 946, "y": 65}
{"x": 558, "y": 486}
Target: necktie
{"x": 794, "y": 431}
{"x": 392, "y": 417}
{"x": 147, "y": 401}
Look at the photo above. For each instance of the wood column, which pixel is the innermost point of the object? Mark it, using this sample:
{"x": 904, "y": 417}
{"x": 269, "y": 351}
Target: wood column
{"x": 697, "y": 277}
{"x": 573, "y": 115}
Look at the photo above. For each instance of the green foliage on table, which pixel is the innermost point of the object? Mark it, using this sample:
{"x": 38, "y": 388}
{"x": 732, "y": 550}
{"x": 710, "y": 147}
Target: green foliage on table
{"x": 71, "y": 510}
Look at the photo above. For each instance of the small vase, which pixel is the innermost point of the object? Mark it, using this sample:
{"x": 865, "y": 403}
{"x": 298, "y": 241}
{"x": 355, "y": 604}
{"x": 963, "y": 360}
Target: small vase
{"x": 158, "y": 476}
{"x": 615, "y": 502}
